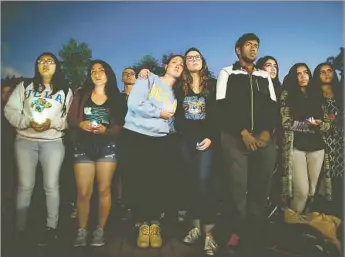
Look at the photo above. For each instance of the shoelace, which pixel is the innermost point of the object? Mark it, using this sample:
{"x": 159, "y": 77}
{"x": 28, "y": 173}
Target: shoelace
{"x": 98, "y": 232}
{"x": 154, "y": 230}
{"x": 144, "y": 230}
{"x": 81, "y": 232}
{"x": 194, "y": 233}
{"x": 182, "y": 213}
{"x": 212, "y": 243}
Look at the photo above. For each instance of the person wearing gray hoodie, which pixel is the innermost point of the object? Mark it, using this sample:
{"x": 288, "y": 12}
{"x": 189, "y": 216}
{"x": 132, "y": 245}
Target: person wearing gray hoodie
{"x": 145, "y": 149}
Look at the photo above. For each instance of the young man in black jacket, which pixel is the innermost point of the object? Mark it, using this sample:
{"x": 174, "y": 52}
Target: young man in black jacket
{"x": 248, "y": 115}
{"x": 128, "y": 79}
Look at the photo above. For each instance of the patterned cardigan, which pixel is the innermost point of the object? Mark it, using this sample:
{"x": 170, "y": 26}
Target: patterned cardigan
{"x": 290, "y": 126}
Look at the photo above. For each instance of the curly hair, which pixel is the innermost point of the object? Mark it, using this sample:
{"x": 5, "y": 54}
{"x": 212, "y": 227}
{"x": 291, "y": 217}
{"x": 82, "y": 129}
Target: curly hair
{"x": 203, "y": 73}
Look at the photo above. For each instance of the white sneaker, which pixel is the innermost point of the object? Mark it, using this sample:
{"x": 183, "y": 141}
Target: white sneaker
{"x": 211, "y": 246}
{"x": 98, "y": 237}
{"x": 192, "y": 236}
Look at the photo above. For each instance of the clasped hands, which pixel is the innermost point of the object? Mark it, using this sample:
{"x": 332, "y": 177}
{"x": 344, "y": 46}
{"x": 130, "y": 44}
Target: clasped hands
{"x": 253, "y": 143}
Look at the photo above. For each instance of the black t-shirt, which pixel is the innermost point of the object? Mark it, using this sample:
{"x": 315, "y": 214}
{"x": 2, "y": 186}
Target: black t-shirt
{"x": 305, "y": 141}
{"x": 123, "y": 105}
{"x": 99, "y": 114}
{"x": 194, "y": 107}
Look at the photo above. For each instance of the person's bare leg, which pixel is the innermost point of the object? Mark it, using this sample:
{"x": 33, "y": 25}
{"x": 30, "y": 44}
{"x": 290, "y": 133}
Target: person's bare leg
{"x": 104, "y": 173}
{"x": 85, "y": 174}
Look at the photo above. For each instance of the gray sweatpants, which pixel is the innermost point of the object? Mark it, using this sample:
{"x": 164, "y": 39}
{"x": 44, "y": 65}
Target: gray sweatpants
{"x": 51, "y": 155}
{"x": 247, "y": 172}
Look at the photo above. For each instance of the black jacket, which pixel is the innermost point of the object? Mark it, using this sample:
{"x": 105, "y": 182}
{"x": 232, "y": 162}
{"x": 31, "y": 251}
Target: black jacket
{"x": 246, "y": 101}
{"x": 123, "y": 105}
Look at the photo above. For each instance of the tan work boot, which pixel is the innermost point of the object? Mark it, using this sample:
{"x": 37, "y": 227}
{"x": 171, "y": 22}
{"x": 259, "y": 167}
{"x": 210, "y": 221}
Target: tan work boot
{"x": 143, "y": 240}
{"x": 155, "y": 236}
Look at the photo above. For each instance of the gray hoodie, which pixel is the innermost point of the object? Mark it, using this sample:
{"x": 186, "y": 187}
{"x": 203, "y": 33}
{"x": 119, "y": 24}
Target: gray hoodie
{"x": 145, "y": 103}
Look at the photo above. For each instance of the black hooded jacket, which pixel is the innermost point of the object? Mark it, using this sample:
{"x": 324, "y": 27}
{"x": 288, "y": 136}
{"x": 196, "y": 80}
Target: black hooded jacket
{"x": 246, "y": 101}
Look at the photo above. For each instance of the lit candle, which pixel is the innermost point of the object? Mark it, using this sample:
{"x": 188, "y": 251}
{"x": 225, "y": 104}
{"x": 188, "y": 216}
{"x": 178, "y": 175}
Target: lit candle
{"x": 40, "y": 117}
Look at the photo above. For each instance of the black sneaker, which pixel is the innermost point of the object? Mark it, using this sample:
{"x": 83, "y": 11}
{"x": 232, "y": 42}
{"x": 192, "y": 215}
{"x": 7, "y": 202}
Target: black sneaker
{"x": 127, "y": 215}
{"x": 49, "y": 237}
{"x": 121, "y": 210}
{"x": 74, "y": 214}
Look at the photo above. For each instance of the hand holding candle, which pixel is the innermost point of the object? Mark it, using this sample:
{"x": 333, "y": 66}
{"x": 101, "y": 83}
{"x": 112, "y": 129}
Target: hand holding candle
{"x": 40, "y": 127}
{"x": 40, "y": 122}
{"x": 40, "y": 117}
{"x": 314, "y": 122}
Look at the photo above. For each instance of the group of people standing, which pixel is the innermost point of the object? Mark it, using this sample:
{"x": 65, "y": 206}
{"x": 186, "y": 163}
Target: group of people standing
{"x": 166, "y": 132}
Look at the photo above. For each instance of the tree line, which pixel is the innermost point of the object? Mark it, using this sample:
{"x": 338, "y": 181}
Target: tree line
{"x": 75, "y": 59}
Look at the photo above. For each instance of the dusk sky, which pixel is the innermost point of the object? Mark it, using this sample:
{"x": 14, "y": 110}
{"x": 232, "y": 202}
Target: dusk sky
{"x": 120, "y": 33}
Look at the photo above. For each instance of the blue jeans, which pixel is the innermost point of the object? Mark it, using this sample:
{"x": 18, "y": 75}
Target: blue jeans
{"x": 198, "y": 165}
{"x": 51, "y": 155}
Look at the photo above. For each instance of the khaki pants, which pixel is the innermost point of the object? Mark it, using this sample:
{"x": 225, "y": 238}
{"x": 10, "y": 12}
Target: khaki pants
{"x": 306, "y": 168}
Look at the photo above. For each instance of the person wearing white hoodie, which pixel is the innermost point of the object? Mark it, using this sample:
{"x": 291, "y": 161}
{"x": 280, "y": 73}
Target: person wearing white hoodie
{"x": 38, "y": 111}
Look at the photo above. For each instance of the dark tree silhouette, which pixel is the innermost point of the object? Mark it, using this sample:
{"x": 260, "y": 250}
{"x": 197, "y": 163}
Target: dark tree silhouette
{"x": 338, "y": 63}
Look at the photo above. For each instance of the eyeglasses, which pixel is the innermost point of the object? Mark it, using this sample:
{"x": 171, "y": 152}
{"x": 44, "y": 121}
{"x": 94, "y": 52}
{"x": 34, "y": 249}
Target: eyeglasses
{"x": 191, "y": 58}
{"x": 129, "y": 73}
{"x": 49, "y": 61}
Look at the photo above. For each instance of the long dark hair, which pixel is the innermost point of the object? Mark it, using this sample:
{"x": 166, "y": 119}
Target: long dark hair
{"x": 111, "y": 89}
{"x": 203, "y": 73}
{"x": 335, "y": 85}
{"x": 58, "y": 80}
{"x": 261, "y": 63}
{"x": 303, "y": 104}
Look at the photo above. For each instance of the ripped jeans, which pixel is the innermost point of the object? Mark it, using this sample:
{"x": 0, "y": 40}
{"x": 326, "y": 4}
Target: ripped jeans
{"x": 92, "y": 152}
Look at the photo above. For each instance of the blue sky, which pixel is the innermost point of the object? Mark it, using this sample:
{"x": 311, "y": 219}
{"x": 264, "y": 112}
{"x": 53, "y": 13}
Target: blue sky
{"x": 122, "y": 32}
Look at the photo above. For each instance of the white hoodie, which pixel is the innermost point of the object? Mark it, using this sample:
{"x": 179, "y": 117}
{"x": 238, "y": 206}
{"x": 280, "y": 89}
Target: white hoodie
{"x": 24, "y": 103}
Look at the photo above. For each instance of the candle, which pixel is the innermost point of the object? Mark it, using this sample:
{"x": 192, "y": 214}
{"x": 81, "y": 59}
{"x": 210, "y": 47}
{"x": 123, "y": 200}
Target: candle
{"x": 40, "y": 117}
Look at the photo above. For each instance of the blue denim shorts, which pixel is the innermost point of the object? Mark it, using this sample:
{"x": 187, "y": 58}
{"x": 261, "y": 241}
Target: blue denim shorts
{"x": 94, "y": 153}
